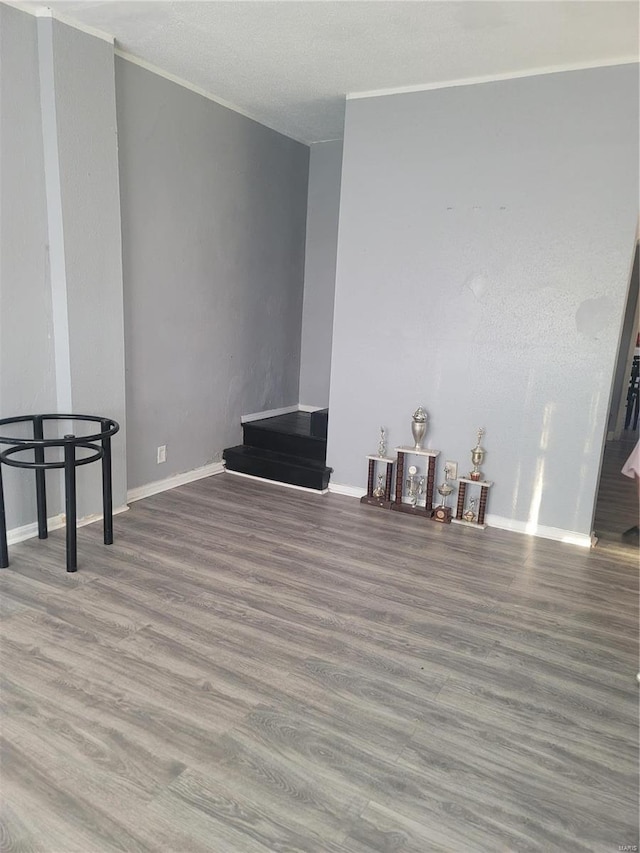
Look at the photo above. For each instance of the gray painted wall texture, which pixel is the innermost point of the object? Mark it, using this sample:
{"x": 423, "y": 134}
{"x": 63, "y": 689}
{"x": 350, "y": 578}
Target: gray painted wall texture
{"x": 27, "y": 375}
{"x": 61, "y": 316}
{"x": 325, "y": 166}
{"x": 485, "y": 245}
{"x": 213, "y": 222}
{"x": 90, "y": 209}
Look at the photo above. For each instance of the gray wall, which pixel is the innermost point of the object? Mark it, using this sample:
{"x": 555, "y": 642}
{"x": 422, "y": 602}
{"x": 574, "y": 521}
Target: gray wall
{"x": 27, "y": 375}
{"x": 89, "y": 205}
{"x": 325, "y": 166}
{"x": 61, "y": 314}
{"x": 213, "y": 222}
{"x": 214, "y": 210}
{"x": 485, "y": 241}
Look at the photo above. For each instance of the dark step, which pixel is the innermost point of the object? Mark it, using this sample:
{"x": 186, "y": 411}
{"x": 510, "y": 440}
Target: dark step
{"x": 320, "y": 423}
{"x": 289, "y": 434}
{"x": 281, "y": 467}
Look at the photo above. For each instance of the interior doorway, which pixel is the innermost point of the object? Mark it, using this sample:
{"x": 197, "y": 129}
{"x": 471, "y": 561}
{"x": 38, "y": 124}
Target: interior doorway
{"x": 617, "y": 499}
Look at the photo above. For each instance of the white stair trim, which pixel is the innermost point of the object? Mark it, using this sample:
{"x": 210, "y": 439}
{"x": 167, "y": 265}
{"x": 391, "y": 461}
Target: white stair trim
{"x": 278, "y": 483}
{"x": 269, "y": 413}
{"x": 273, "y": 413}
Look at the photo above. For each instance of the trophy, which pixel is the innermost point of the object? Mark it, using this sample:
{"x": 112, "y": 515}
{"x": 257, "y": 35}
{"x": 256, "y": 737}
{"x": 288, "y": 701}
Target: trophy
{"x": 443, "y": 512}
{"x": 419, "y": 427}
{"x": 470, "y": 514}
{"x": 379, "y": 491}
{"x": 477, "y": 457}
{"x": 415, "y": 485}
{"x": 382, "y": 444}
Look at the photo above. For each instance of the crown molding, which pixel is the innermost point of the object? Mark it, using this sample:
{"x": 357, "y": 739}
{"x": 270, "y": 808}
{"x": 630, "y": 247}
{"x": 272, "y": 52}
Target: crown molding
{"x": 179, "y": 81}
{"x": 492, "y": 78}
{"x": 41, "y": 11}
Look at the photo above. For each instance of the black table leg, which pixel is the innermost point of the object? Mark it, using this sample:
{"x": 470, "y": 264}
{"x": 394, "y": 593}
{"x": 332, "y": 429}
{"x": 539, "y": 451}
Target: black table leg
{"x": 41, "y": 493}
{"x": 107, "y": 498}
{"x": 70, "y": 504}
{"x": 4, "y": 551}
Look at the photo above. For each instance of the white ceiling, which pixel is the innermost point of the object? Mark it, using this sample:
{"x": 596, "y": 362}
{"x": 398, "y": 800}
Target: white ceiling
{"x": 289, "y": 65}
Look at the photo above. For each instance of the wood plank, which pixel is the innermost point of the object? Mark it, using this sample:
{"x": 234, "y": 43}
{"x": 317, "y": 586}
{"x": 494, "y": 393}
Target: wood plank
{"x": 249, "y": 669}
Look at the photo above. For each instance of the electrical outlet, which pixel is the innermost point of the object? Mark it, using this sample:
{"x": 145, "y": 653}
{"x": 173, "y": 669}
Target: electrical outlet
{"x": 452, "y": 468}
{"x": 162, "y": 454}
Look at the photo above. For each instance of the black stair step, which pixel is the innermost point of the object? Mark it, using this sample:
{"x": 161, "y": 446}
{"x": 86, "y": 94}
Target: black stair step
{"x": 288, "y": 434}
{"x": 281, "y": 467}
{"x": 319, "y": 423}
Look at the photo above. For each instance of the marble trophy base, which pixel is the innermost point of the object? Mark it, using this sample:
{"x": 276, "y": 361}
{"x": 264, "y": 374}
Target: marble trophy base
{"x": 469, "y": 523}
{"x": 443, "y": 514}
{"x": 410, "y": 509}
{"x": 372, "y": 500}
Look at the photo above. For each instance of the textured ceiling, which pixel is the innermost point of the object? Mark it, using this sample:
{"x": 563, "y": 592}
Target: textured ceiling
{"x": 289, "y": 65}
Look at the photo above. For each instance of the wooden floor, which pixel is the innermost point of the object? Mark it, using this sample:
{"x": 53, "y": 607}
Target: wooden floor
{"x": 250, "y": 668}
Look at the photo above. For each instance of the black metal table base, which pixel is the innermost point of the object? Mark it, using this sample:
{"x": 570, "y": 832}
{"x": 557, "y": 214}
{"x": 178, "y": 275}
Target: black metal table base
{"x": 99, "y": 443}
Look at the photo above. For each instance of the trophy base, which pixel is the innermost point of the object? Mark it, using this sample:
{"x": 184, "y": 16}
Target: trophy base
{"x": 442, "y": 514}
{"x": 410, "y": 509}
{"x": 469, "y": 523}
{"x": 372, "y": 500}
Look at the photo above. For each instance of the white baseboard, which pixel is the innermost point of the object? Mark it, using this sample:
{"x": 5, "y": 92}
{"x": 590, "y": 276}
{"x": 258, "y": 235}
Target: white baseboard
{"x": 273, "y": 413}
{"x": 269, "y": 413}
{"x": 350, "y": 491}
{"x": 174, "y": 481}
{"x": 278, "y": 483}
{"x": 569, "y": 537}
{"x": 30, "y": 531}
